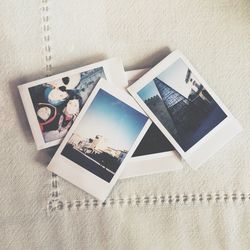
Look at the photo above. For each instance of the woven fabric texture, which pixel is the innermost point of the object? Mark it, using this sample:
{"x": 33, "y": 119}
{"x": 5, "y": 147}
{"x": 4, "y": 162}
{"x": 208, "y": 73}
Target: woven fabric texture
{"x": 204, "y": 209}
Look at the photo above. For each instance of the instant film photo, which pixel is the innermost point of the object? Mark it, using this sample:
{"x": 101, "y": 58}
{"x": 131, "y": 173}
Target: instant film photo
{"x": 154, "y": 154}
{"x": 102, "y": 139}
{"x": 185, "y": 108}
{"x": 53, "y": 103}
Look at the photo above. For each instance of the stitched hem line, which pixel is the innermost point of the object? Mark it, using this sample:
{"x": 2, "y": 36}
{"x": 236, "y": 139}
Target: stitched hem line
{"x": 178, "y": 199}
{"x": 55, "y": 203}
{"x": 46, "y": 35}
{"x": 55, "y": 192}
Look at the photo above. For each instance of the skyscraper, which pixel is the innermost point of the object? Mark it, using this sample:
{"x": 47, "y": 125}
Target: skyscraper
{"x": 177, "y": 105}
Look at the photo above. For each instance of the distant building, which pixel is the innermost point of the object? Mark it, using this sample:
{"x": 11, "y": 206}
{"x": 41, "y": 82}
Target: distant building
{"x": 117, "y": 153}
{"x": 88, "y": 81}
{"x": 192, "y": 81}
{"x": 90, "y": 77}
{"x": 197, "y": 89}
{"x": 90, "y": 145}
{"x": 96, "y": 145}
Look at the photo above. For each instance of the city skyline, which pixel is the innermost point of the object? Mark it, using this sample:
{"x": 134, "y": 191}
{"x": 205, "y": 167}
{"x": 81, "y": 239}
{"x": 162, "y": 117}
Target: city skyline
{"x": 117, "y": 122}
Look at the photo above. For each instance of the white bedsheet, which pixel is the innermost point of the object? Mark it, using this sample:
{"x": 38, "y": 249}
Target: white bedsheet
{"x": 204, "y": 209}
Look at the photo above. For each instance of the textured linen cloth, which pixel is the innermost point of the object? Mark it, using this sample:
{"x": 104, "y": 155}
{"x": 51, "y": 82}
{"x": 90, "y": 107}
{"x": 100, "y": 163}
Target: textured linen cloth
{"x": 204, "y": 209}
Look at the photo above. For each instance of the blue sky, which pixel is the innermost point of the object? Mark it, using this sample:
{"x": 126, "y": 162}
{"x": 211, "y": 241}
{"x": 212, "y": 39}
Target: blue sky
{"x": 116, "y": 121}
{"x": 148, "y": 91}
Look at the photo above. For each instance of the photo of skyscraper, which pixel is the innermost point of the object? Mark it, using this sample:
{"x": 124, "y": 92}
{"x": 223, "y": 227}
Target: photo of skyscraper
{"x": 182, "y": 104}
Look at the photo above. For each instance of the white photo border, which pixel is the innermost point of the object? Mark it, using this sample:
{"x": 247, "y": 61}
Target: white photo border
{"x": 113, "y": 70}
{"x": 76, "y": 174}
{"x": 211, "y": 142}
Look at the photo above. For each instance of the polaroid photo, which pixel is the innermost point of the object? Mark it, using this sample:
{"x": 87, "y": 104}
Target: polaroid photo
{"x": 154, "y": 154}
{"x": 185, "y": 109}
{"x": 53, "y": 103}
{"x": 100, "y": 142}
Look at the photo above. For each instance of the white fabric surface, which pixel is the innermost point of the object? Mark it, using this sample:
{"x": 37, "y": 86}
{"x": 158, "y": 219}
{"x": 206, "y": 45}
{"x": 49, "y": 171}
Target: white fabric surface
{"x": 204, "y": 209}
